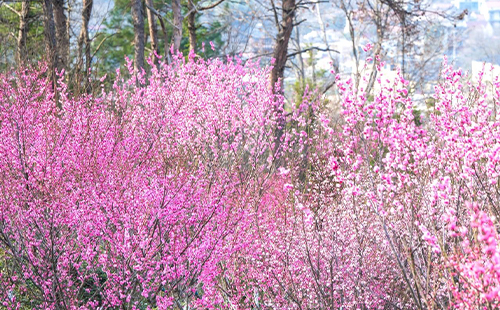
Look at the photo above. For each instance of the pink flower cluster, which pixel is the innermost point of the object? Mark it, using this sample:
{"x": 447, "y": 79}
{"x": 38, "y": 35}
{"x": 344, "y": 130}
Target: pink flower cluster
{"x": 475, "y": 264}
{"x": 192, "y": 187}
{"x": 135, "y": 198}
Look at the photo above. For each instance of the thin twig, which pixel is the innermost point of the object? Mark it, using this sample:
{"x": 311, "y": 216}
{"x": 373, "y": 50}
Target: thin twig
{"x": 312, "y": 48}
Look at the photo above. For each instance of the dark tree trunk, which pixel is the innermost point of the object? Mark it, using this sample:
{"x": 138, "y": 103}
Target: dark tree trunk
{"x": 84, "y": 41}
{"x": 23, "y": 33}
{"x": 138, "y": 21}
{"x": 62, "y": 34}
{"x": 177, "y": 35}
{"x": 153, "y": 30}
{"x": 192, "y": 26}
{"x": 281, "y": 45}
{"x": 50, "y": 36}
{"x": 280, "y": 57}
{"x": 83, "y": 38}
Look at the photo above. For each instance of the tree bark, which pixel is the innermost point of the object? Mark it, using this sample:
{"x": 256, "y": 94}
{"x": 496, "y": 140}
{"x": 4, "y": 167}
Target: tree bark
{"x": 280, "y": 57}
{"x": 281, "y": 45}
{"x": 177, "y": 35}
{"x": 380, "y": 26}
{"x": 83, "y": 38}
{"x": 62, "y": 33}
{"x": 153, "y": 30}
{"x": 192, "y": 26}
{"x": 50, "y": 36}
{"x": 193, "y": 10}
{"x": 23, "y": 32}
{"x": 138, "y": 21}
{"x": 84, "y": 41}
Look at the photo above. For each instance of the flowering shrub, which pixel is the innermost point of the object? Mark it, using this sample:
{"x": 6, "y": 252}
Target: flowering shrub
{"x": 131, "y": 199}
{"x": 194, "y": 188}
{"x": 476, "y": 262}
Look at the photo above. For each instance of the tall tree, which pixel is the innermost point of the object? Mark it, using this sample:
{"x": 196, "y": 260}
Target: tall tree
{"x": 50, "y": 35}
{"x": 281, "y": 45}
{"x": 138, "y": 21}
{"x": 62, "y": 33}
{"x": 83, "y": 38}
{"x": 23, "y": 29}
{"x": 23, "y": 32}
{"x": 192, "y": 25}
{"x": 193, "y": 9}
{"x": 153, "y": 30}
{"x": 178, "y": 18}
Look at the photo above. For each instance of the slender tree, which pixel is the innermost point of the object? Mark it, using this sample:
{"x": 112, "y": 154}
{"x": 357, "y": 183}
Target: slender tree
{"x": 281, "y": 45}
{"x": 192, "y": 25}
{"x": 50, "y": 35}
{"x": 83, "y": 38}
{"x": 193, "y": 9}
{"x": 138, "y": 21}
{"x": 177, "y": 35}
{"x": 23, "y": 32}
{"x": 62, "y": 33}
{"x": 153, "y": 29}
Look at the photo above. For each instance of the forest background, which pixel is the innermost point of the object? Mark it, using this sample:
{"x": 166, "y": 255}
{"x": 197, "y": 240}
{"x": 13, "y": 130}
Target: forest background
{"x": 307, "y": 39}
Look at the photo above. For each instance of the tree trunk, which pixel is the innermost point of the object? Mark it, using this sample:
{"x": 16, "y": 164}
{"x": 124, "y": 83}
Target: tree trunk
{"x": 403, "y": 44}
{"x": 138, "y": 21}
{"x": 280, "y": 57}
{"x": 88, "y": 8}
{"x": 50, "y": 36}
{"x": 378, "y": 46}
{"x": 192, "y": 26}
{"x": 23, "y": 32}
{"x": 62, "y": 34}
{"x": 281, "y": 46}
{"x": 153, "y": 31}
{"x": 177, "y": 35}
{"x": 84, "y": 40}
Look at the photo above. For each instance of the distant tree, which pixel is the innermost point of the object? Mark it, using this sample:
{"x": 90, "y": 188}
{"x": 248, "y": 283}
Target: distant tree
{"x": 193, "y": 9}
{"x": 153, "y": 29}
{"x": 21, "y": 33}
{"x": 285, "y": 27}
{"x": 177, "y": 25}
{"x": 50, "y": 36}
{"x": 62, "y": 33}
{"x": 115, "y": 40}
{"x": 138, "y": 22}
{"x": 84, "y": 47}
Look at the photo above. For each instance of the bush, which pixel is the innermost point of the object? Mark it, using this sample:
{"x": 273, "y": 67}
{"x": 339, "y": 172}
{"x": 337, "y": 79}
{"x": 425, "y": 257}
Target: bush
{"x": 194, "y": 188}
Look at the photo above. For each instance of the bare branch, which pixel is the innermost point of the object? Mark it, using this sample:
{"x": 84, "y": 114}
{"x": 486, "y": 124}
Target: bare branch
{"x": 10, "y": 8}
{"x": 276, "y": 19}
{"x": 299, "y": 22}
{"x": 312, "y": 48}
{"x": 102, "y": 41}
{"x": 160, "y": 18}
{"x": 204, "y": 8}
